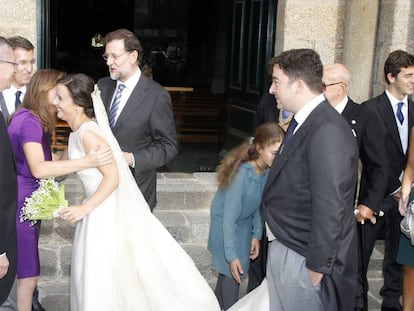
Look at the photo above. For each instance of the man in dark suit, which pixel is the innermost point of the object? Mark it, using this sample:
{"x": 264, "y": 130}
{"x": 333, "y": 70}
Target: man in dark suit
{"x": 397, "y": 116}
{"x": 139, "y": 110}
{"x": 308, "y": 197}
{"x": 369, "y": 131}
{"x": 267, "y": 111}
{"x": 11, "y": 97}
{"x": 8, "y": 188}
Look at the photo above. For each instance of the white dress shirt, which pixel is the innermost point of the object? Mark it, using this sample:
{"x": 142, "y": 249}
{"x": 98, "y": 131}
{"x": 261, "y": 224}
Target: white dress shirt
{"x": 10, "y": 97}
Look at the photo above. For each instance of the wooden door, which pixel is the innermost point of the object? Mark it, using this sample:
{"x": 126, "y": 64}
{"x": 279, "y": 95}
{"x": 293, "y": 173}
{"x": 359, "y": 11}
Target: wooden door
{"x": 252, "y": 46}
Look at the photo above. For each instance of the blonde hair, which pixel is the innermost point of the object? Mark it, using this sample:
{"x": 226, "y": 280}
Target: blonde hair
{"x": 266, "y": 134}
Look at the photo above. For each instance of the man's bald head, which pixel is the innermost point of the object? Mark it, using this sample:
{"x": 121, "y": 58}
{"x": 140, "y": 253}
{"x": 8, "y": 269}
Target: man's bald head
{"x": 336, "y": 78}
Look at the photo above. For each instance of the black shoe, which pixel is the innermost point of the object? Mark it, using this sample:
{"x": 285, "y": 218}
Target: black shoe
{"x": 38, "y": 307}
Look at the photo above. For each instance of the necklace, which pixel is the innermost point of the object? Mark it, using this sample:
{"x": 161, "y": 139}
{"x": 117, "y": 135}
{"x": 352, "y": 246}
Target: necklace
{"x": 262, "y": 169}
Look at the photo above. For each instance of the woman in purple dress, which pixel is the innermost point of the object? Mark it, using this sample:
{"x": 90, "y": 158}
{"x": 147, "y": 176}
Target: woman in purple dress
{"x": 29, "y": 133}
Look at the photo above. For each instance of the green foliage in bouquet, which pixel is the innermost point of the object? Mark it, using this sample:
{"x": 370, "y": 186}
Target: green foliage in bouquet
{"x": 44, "y": 202}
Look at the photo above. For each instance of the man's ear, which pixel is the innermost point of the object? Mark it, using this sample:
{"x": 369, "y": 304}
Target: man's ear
{"x": 135, "y": 56}
{"x": 390, "y": 77}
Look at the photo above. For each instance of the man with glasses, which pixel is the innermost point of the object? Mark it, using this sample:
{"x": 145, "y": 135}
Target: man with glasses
{"x": 369, "y": 132}
{"x": 12, "y": 97}
{"x": 139, "y": 110}
{"x": 8, "y": 193}
{"x": 23, "y": 51}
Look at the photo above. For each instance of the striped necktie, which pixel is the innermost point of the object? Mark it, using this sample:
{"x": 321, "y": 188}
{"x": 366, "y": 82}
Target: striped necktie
{"x": 115, "y": 105}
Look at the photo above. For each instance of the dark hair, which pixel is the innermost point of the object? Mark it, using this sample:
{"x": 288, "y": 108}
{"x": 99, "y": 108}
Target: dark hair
{"x": 80, "y": 87}
{"x": 395, "y": 61}
{"x": 21, "y": 42}
{"x": 266, "y": 134}
{"x": 131, "y": 42}
{"x": 37, "y": 96}
{"x": 304, "y": 64}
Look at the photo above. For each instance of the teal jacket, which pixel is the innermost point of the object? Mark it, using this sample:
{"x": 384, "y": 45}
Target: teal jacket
{"x": 236, "y": 219}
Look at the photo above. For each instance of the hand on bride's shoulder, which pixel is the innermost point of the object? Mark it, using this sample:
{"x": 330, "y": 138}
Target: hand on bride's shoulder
{"x": 74, "y": 213}
{"x": 99, "y": 156}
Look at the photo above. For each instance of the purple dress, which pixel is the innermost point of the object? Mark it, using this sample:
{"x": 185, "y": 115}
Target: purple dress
{"x": 24, "y": 128}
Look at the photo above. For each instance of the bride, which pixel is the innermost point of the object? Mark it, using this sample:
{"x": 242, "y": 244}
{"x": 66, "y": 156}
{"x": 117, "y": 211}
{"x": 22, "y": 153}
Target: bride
{"x": 123, "y": 258}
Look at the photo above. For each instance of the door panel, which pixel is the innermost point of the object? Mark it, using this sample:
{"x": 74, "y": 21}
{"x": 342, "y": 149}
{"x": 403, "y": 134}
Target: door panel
{"x": 252, "y": 46}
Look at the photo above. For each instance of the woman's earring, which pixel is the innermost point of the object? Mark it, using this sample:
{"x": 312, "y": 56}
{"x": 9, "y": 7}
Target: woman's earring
{"x": 77, "y": 110}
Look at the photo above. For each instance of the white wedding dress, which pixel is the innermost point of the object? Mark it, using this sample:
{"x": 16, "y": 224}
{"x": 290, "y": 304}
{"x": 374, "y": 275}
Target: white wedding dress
{"x": 123, "y": 258}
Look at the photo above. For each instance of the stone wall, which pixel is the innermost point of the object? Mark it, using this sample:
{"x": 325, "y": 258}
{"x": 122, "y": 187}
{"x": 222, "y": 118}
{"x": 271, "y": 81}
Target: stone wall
{"x": 19, "y": 17}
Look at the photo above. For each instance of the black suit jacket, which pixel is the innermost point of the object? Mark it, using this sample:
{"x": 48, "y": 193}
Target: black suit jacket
{"x": 8, "y": 206}
{"x": 370, "y": 134}
{"x": 267, "y": 110}
{"x": 397, "y": 159}
{"x": 308, "y": 201}
{"x": 145, "y": 127}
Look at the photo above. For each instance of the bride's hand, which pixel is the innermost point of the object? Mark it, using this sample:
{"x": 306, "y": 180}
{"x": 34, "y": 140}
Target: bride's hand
{"x": 236, "y": 270}
{"x": 74, "y": 213}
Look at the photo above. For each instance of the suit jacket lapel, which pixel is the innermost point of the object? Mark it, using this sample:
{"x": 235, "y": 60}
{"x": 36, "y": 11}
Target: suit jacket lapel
{"x": 134, "y": 100}
{"x": 410, "y": 117}
{"x": 387, "y": 114}
{"x": 294, "y": 143}
{"x": 3, "y": 107}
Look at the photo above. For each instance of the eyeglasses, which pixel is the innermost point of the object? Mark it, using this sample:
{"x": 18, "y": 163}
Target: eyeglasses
{"x": 24, "y": 63}
{"x": 9, "y": 62}
{"x": 326, "y": 85}
{"x": 113, "y": 56}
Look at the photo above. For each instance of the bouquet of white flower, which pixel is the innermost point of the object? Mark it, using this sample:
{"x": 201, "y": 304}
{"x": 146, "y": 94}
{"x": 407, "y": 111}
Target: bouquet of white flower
{"x": 45, "y": 201}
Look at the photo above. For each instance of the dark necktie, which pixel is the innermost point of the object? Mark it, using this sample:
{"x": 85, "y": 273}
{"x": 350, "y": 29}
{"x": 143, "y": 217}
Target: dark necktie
{"x": 399, "y": 113}
{"x": 115, "y": 105}
{"x": 17, "y": 101}
{"x": 290, "y": 130}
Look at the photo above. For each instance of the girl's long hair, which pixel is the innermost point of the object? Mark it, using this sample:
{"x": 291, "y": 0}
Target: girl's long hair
{"x": 37, "y": 96}
{"x": 266, "y": 134}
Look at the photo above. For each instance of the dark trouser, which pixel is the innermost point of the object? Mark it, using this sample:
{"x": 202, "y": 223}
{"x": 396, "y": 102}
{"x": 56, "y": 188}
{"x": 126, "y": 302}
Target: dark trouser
{"x": 257, "y": 269}
{"x": 11, "y": 302}
{"x": 387, "y": 228}
{"x": 227, "y": 291}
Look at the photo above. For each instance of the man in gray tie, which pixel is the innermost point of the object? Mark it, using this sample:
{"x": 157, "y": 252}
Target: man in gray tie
{"x": 23, "y": 51}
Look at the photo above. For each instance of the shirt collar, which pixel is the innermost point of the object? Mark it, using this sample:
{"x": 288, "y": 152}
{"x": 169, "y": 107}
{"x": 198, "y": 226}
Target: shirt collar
{"x": 341, "y": 106}
{"x": 132, "y": 81}
{"x": 394, "y": 101}
{"x": 306, "y": 110}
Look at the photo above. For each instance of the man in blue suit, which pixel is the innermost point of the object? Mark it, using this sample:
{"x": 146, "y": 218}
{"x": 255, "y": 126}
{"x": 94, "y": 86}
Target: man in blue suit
{"x": 308, "y": 197}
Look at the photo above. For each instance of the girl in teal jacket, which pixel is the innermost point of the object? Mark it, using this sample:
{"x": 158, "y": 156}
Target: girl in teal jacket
{"x": 236, "y": 226}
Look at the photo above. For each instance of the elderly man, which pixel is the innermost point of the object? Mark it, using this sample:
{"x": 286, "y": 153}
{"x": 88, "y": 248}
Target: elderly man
{"x": 8, "y": 189}
{"x": 370, "y": 135}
